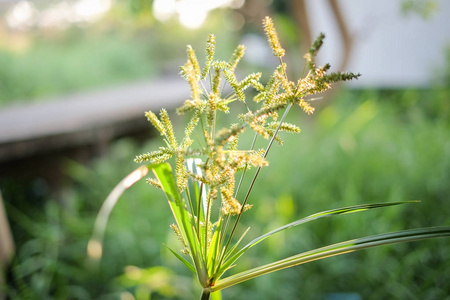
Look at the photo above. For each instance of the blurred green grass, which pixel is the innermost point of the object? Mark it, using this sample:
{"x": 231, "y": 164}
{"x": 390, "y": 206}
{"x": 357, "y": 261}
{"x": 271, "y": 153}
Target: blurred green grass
{"x": 51, "y": 68}
{"x": 113, "y": 51}
{"x": 366, "y": 146}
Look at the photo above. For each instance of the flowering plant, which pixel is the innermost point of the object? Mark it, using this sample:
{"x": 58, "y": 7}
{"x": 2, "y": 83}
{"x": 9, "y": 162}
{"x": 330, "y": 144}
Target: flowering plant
{"x": 204, "y": 186}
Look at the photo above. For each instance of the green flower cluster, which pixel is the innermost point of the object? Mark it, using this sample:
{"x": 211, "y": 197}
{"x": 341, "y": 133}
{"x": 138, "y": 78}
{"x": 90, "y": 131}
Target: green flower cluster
{"x": 222, "y": 159}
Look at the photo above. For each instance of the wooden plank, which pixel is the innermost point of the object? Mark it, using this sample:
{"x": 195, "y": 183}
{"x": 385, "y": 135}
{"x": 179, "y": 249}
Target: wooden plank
{"x": 84, "y": 118}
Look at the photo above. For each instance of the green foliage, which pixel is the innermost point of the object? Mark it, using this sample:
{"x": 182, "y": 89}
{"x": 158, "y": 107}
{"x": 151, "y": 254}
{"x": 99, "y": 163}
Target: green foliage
{"x": 51, "y": 236}
{"x": 353, "y": 154}
{"x": 51, "y": 68}
{"x": 426, "y": 9}
{"x": 330, "y": 168}
{"x": 126, "y": 45}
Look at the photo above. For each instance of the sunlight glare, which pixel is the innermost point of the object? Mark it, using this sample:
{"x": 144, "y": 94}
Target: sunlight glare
{"x": 87, "y": 9}
{"x": 191, "y": 13}
{"x": 21, "y": 15}
{"x": 24, "y": 15}
{"x": 164, "y": 9}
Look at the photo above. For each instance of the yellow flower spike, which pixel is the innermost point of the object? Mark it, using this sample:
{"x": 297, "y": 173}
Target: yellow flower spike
{"x": 187, "y": 141}
{"x": 210, "y": 51}
{"x": 232, "y": 81}
{"x": 193, "y": 59}
{"x": 236, "y": 57}
{"x": 189, "y": 73}
{"x": 154, "y": 182}
{"x": 233, "y": 143}
{"x": 211, "y": 111}
{"x": 181, "y": 173}
{"x": 306, "y": 107}
{"x": 169, "y": 129}
{"x": 215, "y": 89}
{"x": 230, "y": 206}
{"x": 177, "y": 231}
{"x": 272, "y": 36}
{"x": 155, "y": 122}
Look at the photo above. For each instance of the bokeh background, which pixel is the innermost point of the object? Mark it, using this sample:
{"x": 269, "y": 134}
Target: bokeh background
{"x": 77, "y": 75}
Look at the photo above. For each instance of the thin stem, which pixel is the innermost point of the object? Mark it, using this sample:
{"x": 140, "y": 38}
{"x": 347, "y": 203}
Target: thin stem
{"x": 199, "y": 205}
{"x": 245, "y": 169}
{"x": 227, "y": 221}
{"x": 254, "y": 178}
{"x": 188, "y": 196}
{"x": 265, "y": 155}
{"x": 205, "y": 295}
{"x": 206, "y": 226}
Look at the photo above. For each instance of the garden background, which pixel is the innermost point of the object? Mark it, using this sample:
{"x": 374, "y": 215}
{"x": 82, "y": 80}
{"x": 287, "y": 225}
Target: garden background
{"x": 383, "y": 138}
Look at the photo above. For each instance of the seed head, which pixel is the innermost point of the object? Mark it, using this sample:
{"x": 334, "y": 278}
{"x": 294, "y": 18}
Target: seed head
{"x": 272, "y": 36}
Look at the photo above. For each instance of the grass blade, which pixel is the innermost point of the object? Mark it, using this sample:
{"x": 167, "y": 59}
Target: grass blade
{"x": 95, "y": 245}
{"x": 334, "y": 250}
{"x": 213, "y": 251}
{"x": 329, "y": 213}
{"x": 182, "y": 217}
{"x": 184, "y": 261}
{"x": 165, "y": 176}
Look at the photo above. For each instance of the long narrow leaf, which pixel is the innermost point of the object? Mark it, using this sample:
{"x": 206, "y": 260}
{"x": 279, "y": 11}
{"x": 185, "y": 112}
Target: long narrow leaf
{"x": 334, "y": 250}
{"x": 329, "y": 213}
{"x": 226, "y": 256}
{"x": 213, "y": 251}
{"x": 184, "y": 261}
{"x": 184, "y": 221}
{"x": 164, "y": 174}
{"x": 95, "y": 245}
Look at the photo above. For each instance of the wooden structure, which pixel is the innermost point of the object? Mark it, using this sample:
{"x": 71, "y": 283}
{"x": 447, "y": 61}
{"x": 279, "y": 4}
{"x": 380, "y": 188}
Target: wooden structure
{"x": 35, "y": 138}
{"x": 83, "y": 119}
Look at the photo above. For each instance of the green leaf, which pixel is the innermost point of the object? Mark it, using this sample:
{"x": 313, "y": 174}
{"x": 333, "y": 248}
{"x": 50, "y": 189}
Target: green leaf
{"x": 95, "y": 245}
{"x": 165, "y": 176}
{"x": 329, "y": 213}
{"x": 334, "y": 250}
{"x": 184, "y": 220}
{"x": 184, "y": 261}
{"x": 216, "y": 295}
{"x": 213, "y": 251}
{"x": 163, "y": 172}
